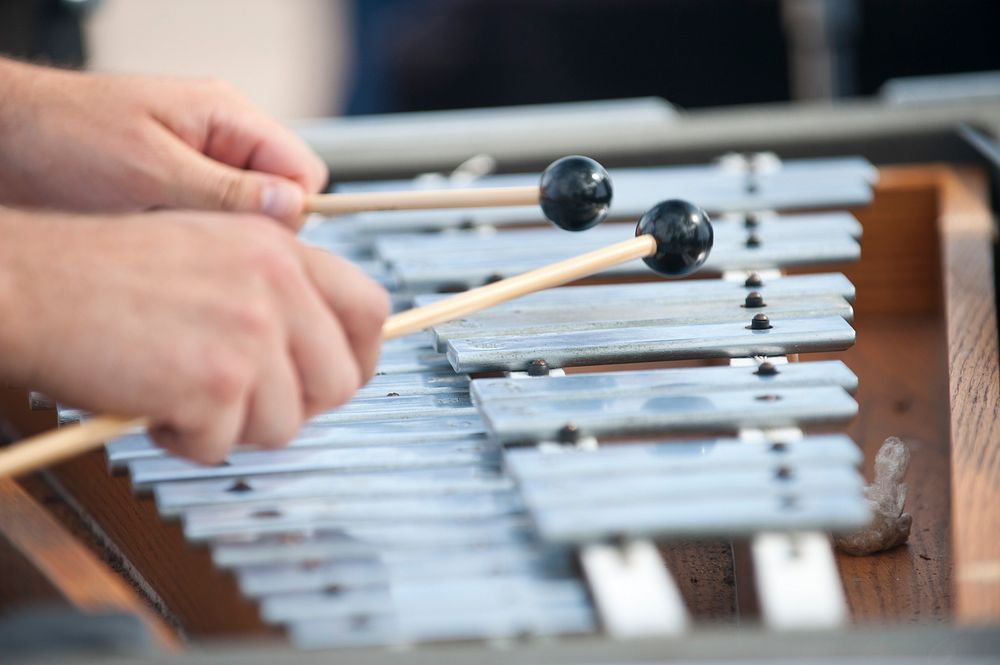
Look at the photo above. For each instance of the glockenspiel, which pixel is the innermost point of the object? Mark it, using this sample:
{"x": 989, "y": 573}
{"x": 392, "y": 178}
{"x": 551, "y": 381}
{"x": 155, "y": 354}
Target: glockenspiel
{"x": 475, "y": 489}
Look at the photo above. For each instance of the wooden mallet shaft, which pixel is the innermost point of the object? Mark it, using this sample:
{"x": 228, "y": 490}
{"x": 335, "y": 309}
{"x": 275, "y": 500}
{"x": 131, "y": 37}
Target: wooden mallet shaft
{"x": 486, "y": 197}
{"x": 56, "y": 445}
{"x": 545, "y": 277}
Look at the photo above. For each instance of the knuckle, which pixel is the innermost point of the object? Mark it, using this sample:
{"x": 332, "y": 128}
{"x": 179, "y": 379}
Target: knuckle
{"x": 266, "y": 251}
{"x": 254, "y": 321}
{"x": 278, "y": 267}
{"x": 223, "y": 379}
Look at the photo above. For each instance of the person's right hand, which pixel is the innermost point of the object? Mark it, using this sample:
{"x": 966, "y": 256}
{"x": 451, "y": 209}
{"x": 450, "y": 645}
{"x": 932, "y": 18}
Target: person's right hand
{"x": 218, "y": 328}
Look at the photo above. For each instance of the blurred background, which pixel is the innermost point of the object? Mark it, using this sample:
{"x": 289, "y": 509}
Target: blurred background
{"x": 312, "y": 58}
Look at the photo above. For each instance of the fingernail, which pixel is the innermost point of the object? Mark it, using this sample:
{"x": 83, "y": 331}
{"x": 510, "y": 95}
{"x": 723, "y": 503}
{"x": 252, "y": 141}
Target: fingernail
{"x": 281, "y": 200}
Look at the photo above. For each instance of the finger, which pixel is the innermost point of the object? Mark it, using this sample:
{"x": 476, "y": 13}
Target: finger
{"x": 208, "y": 439}
{"x": 275, "y": 410}
{"x": 249, "y": 139}
{"x": 360, "y": 304}
{"x": 202, "y": 183}
{"x": 328, "y": 370}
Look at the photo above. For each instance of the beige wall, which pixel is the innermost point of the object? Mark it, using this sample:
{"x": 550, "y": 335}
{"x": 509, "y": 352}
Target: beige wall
{"x": 287, "y": 55}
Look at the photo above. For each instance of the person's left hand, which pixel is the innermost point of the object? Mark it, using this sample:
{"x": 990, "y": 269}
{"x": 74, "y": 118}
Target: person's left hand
{"x": 106, "y": 143}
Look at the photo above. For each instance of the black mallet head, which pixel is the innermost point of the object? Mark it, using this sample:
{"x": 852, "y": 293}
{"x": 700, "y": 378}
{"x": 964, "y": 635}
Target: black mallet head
{"x": 683, "y": 237}
{"x": 575, "y": 193}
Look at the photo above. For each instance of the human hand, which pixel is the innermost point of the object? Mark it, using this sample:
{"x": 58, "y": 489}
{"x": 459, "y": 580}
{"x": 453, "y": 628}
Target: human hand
{"x": 103, "y": 143}
{"x": 218, "y": 328}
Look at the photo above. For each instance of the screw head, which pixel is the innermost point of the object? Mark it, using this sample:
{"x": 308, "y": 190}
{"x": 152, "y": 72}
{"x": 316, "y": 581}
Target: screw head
{"x": 753, "y": 240}
{"x": 239, "y": 486}
{"x": 753, "y": 300}
{"x": 751, "y": 220}
{"x": 568, "y": 434}
{"x": 766, "y": 368}
{"x": 538, "y": 368}
{"x": 753, "y": 281}
{"x": 760, "y": 322}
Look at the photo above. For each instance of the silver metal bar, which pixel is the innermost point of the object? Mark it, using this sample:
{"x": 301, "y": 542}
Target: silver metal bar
{"x": 513, "y": 243}
{"x": 418, "y": 341}
{"x": 535, "y": 466}
{"x": 363, "y": 540}
{"x": 420, "y": 383}
{"x": 636, "y": 190}
{"x": 398, "y": 407}
{"x": 206, "y": 522}
{"x": 702, "y": 482}
{"x": 174, "y": 497}
{"x": 482, "y": 267}
{"x": 408, "y": 361}
{"x": 656, "y": 382}
{"x": 392, "y": 631}
{"x": 699, "y": 290}
{"x": 727, "y": 410}
{"x": 627, "y": 315}
{"x": 723, "y": 517}
{"x": 727, "y": 232}
{"x": 434, "y": 429}
{"x": 473, "y": 453}
{"x": 642, "y": 344}
{"x": 448, "y": 597}
{"x": 391, "y": 569}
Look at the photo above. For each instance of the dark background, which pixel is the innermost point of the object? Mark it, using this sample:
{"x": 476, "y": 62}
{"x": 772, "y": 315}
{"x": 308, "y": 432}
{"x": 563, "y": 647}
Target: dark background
{"x": 414, "y": 55}
{"x": 439, "y": 54}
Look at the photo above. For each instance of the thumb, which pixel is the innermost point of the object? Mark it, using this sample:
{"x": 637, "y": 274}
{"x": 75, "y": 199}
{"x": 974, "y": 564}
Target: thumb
{"x": 216, "y": 186}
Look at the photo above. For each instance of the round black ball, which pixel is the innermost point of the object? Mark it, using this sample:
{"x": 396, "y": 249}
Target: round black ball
{"x": 575, "y": 193}
{"x": 683, "y": 236}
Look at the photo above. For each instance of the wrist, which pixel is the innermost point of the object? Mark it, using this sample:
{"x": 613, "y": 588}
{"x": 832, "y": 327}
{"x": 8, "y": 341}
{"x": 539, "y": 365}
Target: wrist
{"x": 12, "y": 78}
{"x": 22, "y": 94}
{"x": 15, "y": 311}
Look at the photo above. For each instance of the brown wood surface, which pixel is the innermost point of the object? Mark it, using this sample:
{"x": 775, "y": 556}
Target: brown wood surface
{"x": 703, "y": 572}
{"x": 205, "y": 599}
{"x": 900, "y": 361}
{"x": 68, "y": 566}
{"x": 967, "y": 233}
{"x": 902, "y": 392}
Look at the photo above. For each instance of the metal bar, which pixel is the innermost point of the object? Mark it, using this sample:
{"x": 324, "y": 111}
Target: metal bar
{"x": 644, "y": 344}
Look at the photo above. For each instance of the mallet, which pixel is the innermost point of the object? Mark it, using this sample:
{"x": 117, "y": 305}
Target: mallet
{"x": 574, "y": 193}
